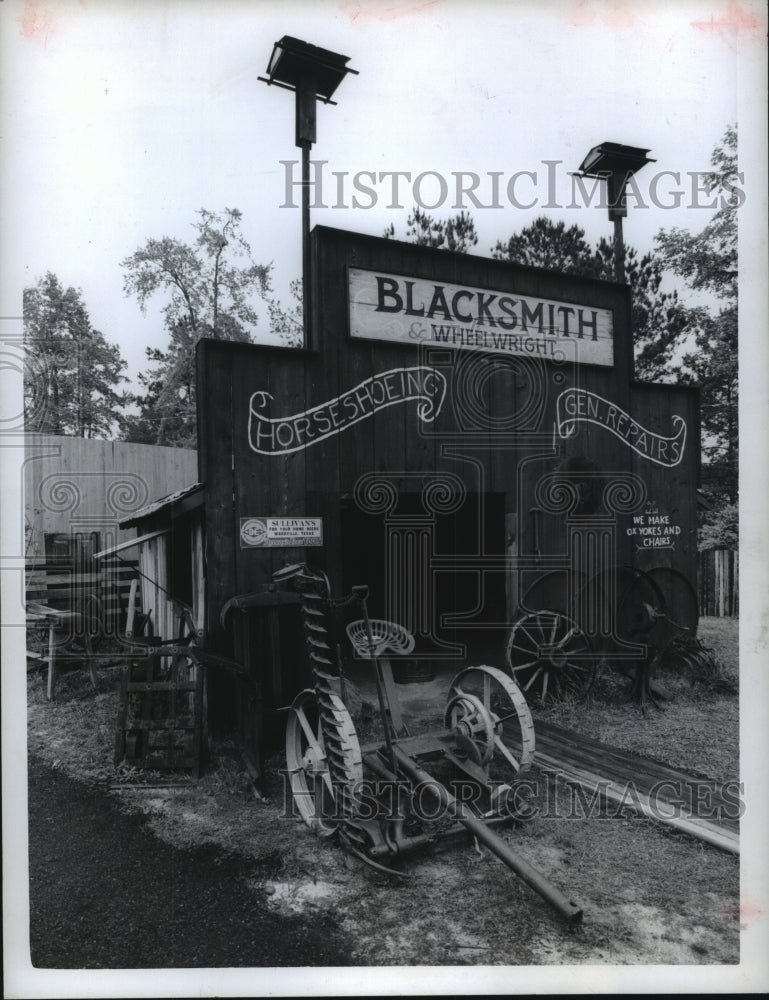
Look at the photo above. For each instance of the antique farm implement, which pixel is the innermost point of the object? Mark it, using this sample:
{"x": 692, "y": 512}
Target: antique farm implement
{"x": 630, "y": 619}
{"x": 393, "y": 796}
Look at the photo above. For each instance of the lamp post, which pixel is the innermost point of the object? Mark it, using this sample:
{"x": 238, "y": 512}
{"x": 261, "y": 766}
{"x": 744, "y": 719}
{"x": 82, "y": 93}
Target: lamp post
{"x": 615, "y": 164}
{"x": 313, "y": 74}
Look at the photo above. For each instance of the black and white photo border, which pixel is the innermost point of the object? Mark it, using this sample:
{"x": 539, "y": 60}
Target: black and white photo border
{"x": 742, "y": 23}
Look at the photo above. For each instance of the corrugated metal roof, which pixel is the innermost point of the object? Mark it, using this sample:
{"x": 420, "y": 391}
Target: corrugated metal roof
{"x": 161, "y": 504}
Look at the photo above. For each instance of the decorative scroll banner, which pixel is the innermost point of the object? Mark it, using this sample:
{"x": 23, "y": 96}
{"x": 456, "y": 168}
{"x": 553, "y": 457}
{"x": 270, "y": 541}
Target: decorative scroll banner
{"x": 283, "y": 435}
{"x": 579, "y": 405}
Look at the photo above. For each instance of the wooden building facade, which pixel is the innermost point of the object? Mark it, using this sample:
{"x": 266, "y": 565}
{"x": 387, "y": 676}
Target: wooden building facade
{"x": 463, "y": 435}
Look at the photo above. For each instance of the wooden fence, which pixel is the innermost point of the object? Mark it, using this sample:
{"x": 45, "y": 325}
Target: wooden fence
{"x": 76, "y": 492}
{"x": 78, "y": 486}
{"x": 98, "y": 590}
{"x": 718, "y": 583}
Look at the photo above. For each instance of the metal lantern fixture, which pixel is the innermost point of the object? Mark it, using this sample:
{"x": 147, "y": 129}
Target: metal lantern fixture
{"x": 616, "y": 164}
{"x": 313, "y": 74}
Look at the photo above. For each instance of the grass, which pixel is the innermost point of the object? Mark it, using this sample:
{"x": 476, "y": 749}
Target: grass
{"x": 650, "y": 895}
{"x": 697, "y": 727}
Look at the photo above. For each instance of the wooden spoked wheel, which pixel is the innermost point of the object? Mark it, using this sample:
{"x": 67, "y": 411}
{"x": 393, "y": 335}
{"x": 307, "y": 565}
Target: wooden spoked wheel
{"x": 550, "y": 657}
{"x": 311, "y": 759}
{"x": 485, "y": 705}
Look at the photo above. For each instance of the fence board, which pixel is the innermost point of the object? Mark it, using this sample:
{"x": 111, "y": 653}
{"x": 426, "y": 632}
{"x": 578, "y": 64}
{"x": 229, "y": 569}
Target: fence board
{"x": 77, "y": 484}
{"x": 719, "y": 583}
{"x": 52, "y": 584}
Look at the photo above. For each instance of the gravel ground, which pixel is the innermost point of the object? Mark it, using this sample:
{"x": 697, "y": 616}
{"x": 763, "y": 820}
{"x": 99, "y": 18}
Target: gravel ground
{"x": 107, "y": 893}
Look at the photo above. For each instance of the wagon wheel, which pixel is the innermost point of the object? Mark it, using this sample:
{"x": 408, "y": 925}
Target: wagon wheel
{"x": 640, "y": 603}
{"x": 556, "y": 590}
{"x": 640, "y": 606}
{"x": 549, "y": 655}
{"x": 679, "y": 595}
{"x": 307, "y": 760}
{"x": 489, "y": 708}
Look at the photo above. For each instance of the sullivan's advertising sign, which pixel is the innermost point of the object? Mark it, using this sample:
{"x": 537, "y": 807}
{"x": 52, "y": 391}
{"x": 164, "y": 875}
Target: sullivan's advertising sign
{"x": 392, "y": 307}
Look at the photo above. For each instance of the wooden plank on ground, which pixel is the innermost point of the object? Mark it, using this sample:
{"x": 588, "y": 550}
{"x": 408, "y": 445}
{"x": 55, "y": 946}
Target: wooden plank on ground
{"x": 712, "y": 833}
{"x": 617, "y": 765}
{"x": 608, "y": 771}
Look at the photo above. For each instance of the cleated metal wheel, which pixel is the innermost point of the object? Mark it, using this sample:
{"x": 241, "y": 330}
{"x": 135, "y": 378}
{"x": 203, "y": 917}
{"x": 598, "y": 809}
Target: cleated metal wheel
{"x": 486, "y": 706}
{"x": 311, "y": 760}
{"x": 550, "y": 657}
{"x": 685, "y": 654}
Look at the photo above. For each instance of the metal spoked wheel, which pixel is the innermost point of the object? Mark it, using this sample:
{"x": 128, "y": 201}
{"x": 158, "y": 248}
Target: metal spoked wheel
{"x": 467, "y": 716}
{"x": 679, "y": 596}
{"x": 550, "y": 656}
{"x": 640, "y": 603}
{"x": 311, "y": 765}
{"x": 489, "y": 708}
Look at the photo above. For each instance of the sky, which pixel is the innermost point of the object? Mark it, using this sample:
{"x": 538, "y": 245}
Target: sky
{"x": 121, "y": 120}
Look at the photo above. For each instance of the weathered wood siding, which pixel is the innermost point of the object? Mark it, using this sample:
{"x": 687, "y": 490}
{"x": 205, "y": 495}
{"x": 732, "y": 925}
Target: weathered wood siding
{"x": 497, "y": 479}
{"x": 79, "y": 485}
{"x": 153, "y": 565}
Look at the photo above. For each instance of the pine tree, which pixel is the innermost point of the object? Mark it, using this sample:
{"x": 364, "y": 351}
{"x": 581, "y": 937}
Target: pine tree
{"x": 72, "y": 373}
{"x": 288, "y": 323}
{"x": 457, "y": 233}
{"x": 659, "y": 319}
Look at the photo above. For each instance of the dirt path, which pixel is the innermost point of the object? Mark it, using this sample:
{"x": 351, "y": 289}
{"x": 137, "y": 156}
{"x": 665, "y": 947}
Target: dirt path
{"x": 106, "y": 893}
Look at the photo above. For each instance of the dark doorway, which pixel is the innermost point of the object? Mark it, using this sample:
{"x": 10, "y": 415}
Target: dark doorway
{"x": 441, "y": 576}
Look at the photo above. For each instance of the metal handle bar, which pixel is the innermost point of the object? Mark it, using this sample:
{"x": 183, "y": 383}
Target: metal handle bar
{"x": 495, "y": 844}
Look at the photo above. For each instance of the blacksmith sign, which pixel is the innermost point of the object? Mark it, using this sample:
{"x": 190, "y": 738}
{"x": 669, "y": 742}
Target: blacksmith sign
{"x": 396, "y": 308}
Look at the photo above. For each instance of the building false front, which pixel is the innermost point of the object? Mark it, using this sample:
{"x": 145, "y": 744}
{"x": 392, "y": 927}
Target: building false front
{"x": 463, "y": 435}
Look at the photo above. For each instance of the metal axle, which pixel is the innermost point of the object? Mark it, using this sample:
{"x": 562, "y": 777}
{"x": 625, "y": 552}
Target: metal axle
{"x": 495, "y": 844}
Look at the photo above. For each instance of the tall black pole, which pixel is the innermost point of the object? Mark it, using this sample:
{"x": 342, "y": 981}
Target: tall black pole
{"x": 619, "y": 251}
{"x": 313, "y": 74}
{"x": 306, "y": 244}
{"x": 305, "y": 137}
